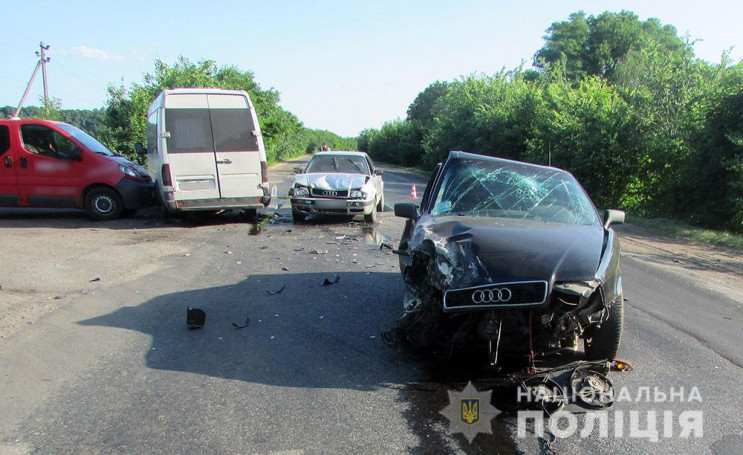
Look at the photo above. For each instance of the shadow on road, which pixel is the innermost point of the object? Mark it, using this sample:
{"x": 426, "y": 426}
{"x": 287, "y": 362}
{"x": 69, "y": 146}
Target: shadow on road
{"x": 305, "y": 335}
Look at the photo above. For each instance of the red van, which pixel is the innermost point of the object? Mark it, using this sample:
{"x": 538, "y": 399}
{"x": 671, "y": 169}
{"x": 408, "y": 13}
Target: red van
{"x": 45, "y": 163}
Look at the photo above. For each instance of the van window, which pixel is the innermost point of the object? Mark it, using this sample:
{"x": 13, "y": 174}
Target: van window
{"x": 190, "y": 130}
{"x": 42, "y": 140}
{"x": 4, "y": 139}
{"x": 233, "y": 130}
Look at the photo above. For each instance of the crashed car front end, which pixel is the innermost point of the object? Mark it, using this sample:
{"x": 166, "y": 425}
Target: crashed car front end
{"x": 514, "y": 285}
{"x": 332, "y": 194}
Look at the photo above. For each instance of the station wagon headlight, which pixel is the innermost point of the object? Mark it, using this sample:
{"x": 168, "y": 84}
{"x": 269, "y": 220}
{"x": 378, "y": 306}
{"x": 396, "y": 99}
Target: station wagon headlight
{"x": 301, "y": 191}
{"x": 358, "y": 194}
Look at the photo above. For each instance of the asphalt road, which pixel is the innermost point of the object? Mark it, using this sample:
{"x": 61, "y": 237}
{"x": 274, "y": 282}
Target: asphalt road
{"x": 115, "y": 370}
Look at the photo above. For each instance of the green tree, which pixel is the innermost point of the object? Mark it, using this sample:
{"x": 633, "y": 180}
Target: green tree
{"x": 595, "y": 45}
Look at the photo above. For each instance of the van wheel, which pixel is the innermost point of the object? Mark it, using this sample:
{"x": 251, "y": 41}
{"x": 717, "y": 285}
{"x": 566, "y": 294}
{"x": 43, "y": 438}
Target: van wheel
{"x": 380, "y": 206}
{"x": 103, "y": 204}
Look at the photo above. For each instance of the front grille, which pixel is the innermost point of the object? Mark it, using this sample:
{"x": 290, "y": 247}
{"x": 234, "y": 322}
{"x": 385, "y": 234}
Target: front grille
{"x": 499, "y": 295}
{"x": 329, "y": 193}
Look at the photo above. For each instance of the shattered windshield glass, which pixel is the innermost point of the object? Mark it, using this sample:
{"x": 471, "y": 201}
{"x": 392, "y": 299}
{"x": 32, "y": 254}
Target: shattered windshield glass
{"x": 511, "y": 190}
{"x": 329, "y": 163}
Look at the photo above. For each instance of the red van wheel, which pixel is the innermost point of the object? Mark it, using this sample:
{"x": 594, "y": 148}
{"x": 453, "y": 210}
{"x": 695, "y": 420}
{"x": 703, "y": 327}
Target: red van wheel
{"x": 103, "y": 204}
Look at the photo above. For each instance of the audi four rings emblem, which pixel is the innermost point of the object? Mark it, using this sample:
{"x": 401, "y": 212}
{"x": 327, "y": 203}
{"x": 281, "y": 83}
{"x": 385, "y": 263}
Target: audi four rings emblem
{"x": 494, "y": 295}
{"x": 330, "y": 193}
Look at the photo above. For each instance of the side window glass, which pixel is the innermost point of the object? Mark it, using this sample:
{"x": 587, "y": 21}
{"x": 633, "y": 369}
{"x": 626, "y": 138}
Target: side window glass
{"x": 4, "y": 139}
{"x": 38, "y": 139}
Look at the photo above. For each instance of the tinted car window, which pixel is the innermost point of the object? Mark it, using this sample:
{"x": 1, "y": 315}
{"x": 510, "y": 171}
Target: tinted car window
{"x": 190, "y": 130}
{"x": 233, "y": 130}
{"x": 492, "y": 188}
{"x": 4, "y": 139}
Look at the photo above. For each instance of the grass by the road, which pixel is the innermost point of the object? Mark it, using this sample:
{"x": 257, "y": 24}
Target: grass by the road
{"x": 684, "y": 231}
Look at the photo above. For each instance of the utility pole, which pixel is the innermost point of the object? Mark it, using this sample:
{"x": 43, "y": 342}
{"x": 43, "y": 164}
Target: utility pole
{"x": 43, "y": 60}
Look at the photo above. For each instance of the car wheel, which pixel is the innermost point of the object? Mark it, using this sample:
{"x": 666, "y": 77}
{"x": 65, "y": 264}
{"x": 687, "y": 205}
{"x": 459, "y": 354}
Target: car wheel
{"x": 380, "y": 206}
{"x": 103, "y": 204}
{"x": 602, "y": 342}
{"x": 371, "y": 217}
{"x": 297, "y": 216}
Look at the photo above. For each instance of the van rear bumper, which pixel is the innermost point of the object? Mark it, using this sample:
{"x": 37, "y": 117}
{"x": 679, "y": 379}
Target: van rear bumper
{"x": 136, "y": 195}
{"x": 258, "y": 202}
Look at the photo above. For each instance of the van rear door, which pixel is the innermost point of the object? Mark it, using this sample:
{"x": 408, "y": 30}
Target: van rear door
{"x": 190, "y": 147}
{"x": 236, "y": 146}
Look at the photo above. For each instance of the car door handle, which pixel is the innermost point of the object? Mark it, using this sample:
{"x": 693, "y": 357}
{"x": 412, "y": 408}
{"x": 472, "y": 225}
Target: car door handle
{"x": 8, "y": 161}
{"x": 24, "y": 161}
{"x": 224, "y": 161}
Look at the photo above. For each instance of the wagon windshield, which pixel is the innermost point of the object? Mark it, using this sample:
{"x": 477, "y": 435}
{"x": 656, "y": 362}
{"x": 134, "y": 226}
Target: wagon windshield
{"x": 512, "y": 190}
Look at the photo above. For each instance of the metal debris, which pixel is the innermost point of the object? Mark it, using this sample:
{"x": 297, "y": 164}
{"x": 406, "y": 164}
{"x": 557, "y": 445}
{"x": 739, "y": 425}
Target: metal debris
{"x": 276, "y": 292}
{"x": 241, "y": 326}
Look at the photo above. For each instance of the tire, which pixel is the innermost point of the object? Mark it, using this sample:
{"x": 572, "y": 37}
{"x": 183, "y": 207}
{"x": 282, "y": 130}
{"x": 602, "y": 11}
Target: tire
{"x": 603, "y": 342}
{"x": 380, "y": 206}
{"x": 250, "y": 214}
{"x": 103, "y": 204}
{"x": 371, "y": 218}
{"x": 297, "y": 217}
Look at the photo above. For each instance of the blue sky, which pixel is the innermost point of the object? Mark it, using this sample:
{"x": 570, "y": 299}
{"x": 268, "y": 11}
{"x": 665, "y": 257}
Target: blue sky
{"x": 340, "y": 66}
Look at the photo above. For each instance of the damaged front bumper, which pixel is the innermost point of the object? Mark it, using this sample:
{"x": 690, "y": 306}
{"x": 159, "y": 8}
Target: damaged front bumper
{"x": 328, "y": 206}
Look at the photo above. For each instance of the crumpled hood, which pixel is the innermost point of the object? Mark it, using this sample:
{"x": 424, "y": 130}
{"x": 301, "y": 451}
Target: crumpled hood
{"x": 334, "y": 182}
{"x": 482, "y": 250}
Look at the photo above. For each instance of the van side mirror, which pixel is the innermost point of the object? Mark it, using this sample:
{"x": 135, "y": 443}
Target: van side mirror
{"x": 297, "y": 170}
{"x": 141, "y": 149}
{"x": 613, "y": 217}
{"x": 378, "y": 172}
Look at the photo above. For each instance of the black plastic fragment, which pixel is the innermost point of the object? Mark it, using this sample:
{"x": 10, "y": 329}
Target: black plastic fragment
{"x": 195, "y": 318}
{"x": 327, "y": 282}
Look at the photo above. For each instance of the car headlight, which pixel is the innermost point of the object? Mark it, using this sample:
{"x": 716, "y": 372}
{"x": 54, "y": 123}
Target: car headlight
{"x": 301, "y": 191}
{"x": 357, "y": 194}
{"x": 129, "y": 171}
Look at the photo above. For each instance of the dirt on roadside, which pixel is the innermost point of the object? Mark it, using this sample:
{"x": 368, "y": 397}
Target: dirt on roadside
{"x": 716, "y": 268}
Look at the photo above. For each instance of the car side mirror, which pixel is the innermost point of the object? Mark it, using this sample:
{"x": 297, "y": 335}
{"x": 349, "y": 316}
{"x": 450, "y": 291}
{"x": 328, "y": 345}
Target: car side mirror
{"x": 141, "y": 149}
{"x": 378, "y": 172}
{"x": 297, "y": 170}
{"x": 613, "y": 217}
{"x": 407, "y": 210}
{"x": 75, "y": 153}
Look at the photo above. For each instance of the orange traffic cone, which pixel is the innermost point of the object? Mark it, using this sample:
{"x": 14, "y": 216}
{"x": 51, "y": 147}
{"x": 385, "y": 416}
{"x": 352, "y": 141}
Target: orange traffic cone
{"x": 413, "y": 194}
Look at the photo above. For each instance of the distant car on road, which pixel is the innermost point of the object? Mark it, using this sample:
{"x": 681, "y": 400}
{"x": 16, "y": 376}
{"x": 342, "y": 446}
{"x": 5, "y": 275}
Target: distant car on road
{"x": 510, "y": 257}
{"x": 338, "y": 183}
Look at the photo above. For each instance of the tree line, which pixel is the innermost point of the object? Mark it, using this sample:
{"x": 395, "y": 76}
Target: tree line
{"x": 122, "y": 122}
{"x": 621, "y": 103}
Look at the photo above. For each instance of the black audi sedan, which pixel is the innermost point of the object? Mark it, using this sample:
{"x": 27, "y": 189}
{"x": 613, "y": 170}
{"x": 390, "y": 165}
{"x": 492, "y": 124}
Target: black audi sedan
{"x": 511, "y": 258}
